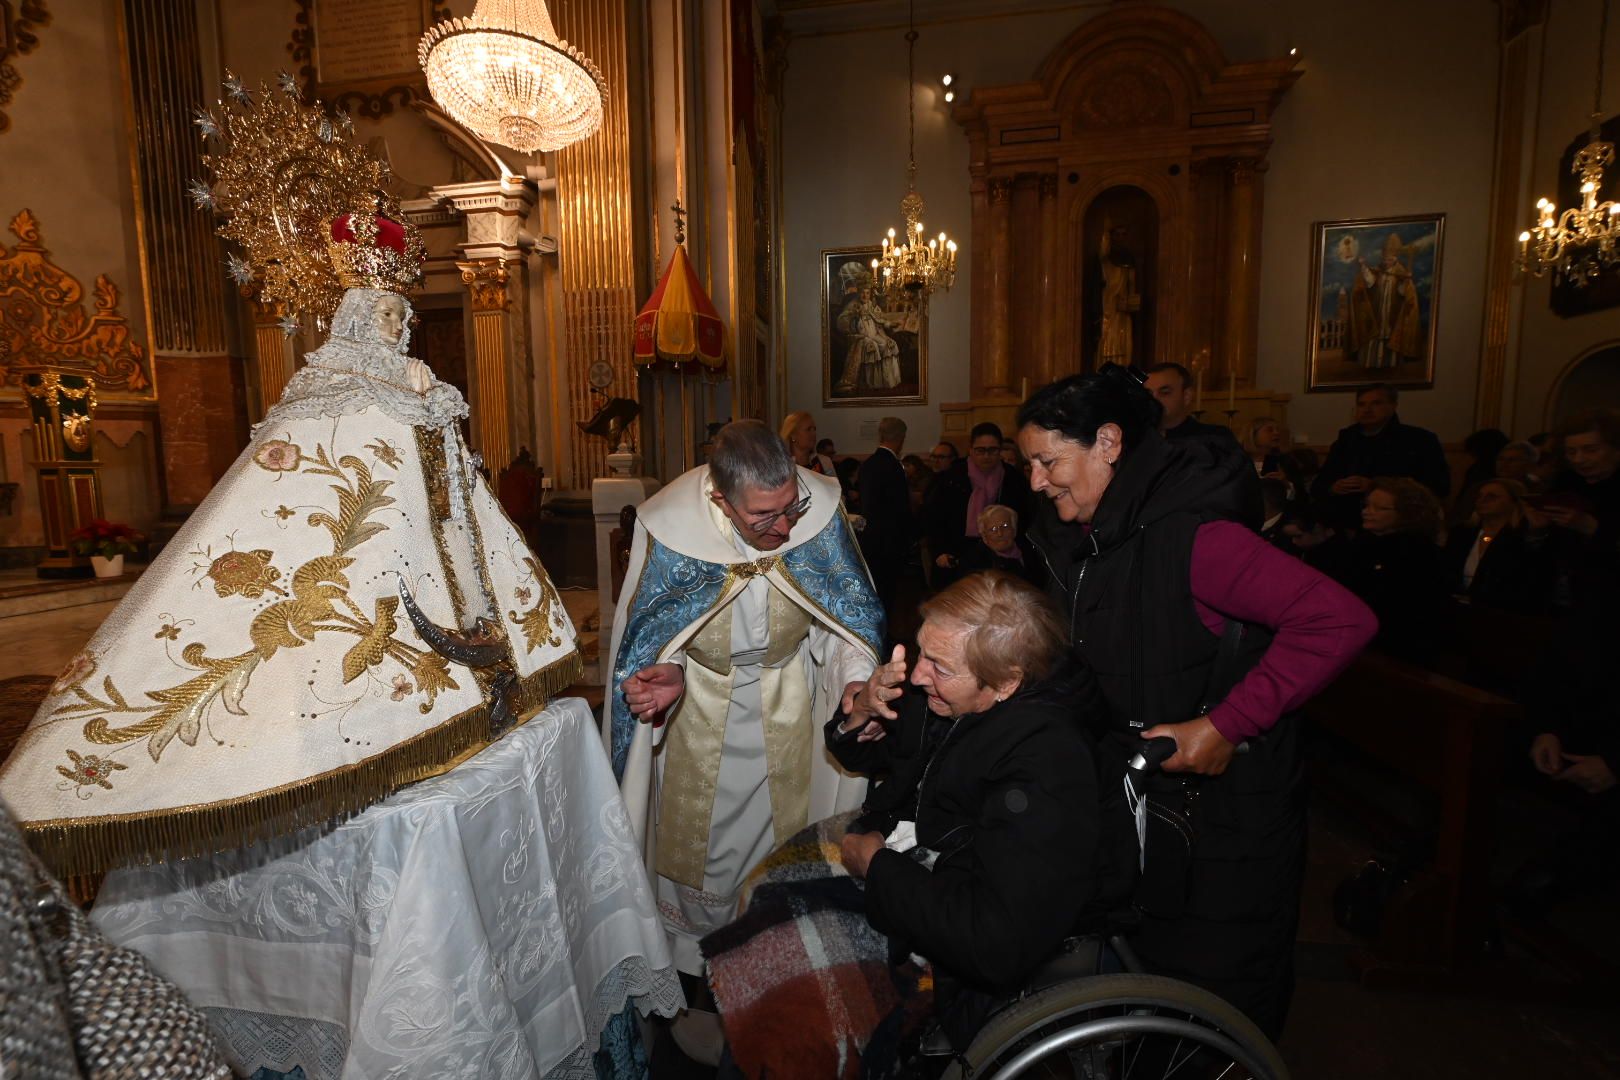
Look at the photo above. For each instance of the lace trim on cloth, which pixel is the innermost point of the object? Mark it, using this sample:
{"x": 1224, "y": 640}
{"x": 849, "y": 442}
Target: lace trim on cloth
{"x": 653, "y": 990}
{"x": 251, "y": 1041}
{"x": 357, "y": 369}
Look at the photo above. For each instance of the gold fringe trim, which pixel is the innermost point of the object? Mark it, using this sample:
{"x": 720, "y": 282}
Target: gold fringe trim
{"x": 82, "y": 846}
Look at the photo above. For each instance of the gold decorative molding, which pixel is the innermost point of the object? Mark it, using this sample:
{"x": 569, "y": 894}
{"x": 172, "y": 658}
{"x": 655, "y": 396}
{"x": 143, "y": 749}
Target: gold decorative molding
{"x": 18, "y": 21}
{"x": 44, "y": 327}
{"x": 486, "y": 282}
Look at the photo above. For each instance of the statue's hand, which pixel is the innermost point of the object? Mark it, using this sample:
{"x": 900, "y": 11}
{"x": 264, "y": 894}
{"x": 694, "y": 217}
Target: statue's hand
{"x": 418, "y": 376}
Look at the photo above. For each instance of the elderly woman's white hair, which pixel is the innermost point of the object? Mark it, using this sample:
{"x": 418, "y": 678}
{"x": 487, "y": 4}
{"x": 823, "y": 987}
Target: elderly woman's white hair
{"x": 997, "y": 510}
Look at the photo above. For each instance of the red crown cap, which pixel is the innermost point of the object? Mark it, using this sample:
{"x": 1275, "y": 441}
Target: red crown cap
{"x": 390, "y": 234}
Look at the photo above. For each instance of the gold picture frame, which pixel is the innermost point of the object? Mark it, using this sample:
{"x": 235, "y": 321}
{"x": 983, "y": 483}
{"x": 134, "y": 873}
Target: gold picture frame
{"x": 1374, "y": 302}
{"x": 870, "y": 354}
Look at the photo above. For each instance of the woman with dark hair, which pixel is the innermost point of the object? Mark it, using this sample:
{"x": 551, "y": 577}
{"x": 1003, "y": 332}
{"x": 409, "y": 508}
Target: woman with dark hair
{"x": 1482, "y": 448}
{"x": 1199, "y": 631}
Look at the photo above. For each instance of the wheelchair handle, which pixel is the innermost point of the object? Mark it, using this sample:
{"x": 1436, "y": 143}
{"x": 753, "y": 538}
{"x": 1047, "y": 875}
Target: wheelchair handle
{"x": 1150, "y": 754}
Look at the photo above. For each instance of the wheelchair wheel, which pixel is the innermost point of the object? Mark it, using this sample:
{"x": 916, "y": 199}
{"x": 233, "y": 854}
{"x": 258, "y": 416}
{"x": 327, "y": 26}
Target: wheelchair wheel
{"x": 1120, "y": 1027}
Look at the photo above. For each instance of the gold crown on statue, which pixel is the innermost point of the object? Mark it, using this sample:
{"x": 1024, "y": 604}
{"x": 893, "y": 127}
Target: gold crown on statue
{"x": 307, "y": 204}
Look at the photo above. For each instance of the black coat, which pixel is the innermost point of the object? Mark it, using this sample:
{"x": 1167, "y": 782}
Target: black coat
{"x": 1516, "y": 571}
{"x": 1398, "y": 450}
{"x": 979, "y": 557}
{"x": 1402, "y": 577}
{"x": 1009, "y": 799}
{"x": 886, "y": 506}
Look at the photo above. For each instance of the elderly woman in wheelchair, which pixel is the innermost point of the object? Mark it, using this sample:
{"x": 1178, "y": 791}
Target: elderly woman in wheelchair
{"x": 973, "y": 860}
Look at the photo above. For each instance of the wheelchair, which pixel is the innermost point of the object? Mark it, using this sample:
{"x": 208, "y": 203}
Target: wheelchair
{"x": 1079, "y": 1021}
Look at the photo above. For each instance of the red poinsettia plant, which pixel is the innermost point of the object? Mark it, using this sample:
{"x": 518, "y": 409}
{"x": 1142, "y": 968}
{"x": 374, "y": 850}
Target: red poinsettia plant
{"x": 105, "y": 538}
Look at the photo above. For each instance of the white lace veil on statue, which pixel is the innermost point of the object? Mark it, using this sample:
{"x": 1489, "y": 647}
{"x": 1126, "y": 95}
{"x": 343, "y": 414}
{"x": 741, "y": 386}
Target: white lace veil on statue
{"x": 355, "y": 323}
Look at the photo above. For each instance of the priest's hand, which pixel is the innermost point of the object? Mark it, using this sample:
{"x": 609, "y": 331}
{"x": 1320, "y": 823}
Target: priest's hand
{"x": 1589, "y": 772}
{"x": 1199, "y": 747}
{"x": 866, "y": 704}
{"x": 857, "y": 850}
{"x": 652, "y": 690}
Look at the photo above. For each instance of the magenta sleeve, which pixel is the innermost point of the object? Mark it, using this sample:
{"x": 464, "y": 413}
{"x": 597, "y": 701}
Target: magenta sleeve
{"x": 1319, "y": 626}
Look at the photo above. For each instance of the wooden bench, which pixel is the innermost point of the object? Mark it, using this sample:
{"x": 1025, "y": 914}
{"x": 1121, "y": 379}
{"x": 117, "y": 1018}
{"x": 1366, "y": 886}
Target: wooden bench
{"x": 1448, "y": 738}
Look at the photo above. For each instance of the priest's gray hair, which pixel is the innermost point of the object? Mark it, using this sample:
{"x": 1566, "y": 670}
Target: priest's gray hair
{"x": 747, "y": 454}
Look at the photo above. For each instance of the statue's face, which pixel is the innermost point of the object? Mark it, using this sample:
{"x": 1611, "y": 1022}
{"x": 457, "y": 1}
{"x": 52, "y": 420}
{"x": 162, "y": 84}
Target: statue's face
{"x": 388, "y": 316}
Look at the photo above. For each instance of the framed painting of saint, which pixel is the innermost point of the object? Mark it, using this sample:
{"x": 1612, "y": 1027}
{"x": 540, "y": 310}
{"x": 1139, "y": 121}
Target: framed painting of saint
{"x": 872, "y": 352}
{"x": 1375, "y": 292}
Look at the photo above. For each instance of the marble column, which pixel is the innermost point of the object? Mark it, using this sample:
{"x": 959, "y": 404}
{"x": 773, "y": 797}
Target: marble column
{"x": 1241, "y": 327}
{"x": 1045, "y": 341}
{"x": 486, "y": 281}
{"x": 998, "y": 369}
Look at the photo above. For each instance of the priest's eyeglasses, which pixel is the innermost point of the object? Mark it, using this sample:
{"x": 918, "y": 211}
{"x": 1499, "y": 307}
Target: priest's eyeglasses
{"x": 793, "y": 512}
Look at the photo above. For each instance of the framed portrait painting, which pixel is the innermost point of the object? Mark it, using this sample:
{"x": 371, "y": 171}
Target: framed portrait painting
{"x": 1375, "y": 292}
{"x": 872, "y": 352}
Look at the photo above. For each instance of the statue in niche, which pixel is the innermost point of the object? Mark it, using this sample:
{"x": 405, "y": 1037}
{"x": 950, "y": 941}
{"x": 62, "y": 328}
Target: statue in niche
{"x": 1121, "y": 299}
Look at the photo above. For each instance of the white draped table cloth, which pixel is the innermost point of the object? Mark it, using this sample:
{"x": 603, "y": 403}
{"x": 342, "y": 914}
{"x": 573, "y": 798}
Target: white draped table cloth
{"x": 485, "y": 923}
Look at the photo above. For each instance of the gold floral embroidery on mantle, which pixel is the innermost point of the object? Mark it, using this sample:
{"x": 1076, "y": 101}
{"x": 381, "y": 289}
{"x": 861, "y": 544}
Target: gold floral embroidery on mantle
{"x": 318, "y": 602}
{"x": 43, "y": 325}
{"x": 542, "y": 624}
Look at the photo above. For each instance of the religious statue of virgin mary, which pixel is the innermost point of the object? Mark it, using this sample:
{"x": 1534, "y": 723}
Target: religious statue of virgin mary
{"x": 349, "y": 610}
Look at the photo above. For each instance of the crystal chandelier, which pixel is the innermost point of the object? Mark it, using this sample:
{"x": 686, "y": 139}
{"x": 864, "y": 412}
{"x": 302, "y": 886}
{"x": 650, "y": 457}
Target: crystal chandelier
{"x": 504, "y": 75}
{"x": 1583, "y": 241}
{"x": 911, "y": 266}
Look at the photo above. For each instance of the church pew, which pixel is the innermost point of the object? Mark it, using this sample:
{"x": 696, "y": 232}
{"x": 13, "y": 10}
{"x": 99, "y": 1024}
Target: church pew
{"x": 1447, "y": 738}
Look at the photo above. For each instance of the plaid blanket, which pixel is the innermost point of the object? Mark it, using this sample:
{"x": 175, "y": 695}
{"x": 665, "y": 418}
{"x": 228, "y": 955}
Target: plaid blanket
{"x": 802, "y": 981}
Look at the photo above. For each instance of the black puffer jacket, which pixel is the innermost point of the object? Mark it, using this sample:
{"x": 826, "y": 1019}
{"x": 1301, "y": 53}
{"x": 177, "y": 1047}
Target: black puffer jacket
{"x": 1009, "y": 799}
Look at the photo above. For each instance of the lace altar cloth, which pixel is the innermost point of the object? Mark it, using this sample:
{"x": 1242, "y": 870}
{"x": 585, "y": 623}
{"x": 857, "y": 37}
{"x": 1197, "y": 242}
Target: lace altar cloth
{"x": 484, "y": 923}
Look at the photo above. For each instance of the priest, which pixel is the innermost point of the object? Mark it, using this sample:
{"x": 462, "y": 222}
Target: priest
{"x": 747, "y": 610}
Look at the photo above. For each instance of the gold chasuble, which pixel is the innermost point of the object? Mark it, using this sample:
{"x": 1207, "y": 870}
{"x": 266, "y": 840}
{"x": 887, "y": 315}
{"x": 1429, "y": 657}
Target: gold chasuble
{"x": 348, "y": 611}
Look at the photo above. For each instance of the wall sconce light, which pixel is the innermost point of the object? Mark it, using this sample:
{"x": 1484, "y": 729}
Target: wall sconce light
{"x": 946, "y": 80}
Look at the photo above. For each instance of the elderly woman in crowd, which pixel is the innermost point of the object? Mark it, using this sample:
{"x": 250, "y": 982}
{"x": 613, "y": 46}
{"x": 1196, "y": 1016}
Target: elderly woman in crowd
{"x": 1266, "y": 447}
{"x": 1395, "y": 564}
{"x": 1502, "y": 558}
{"x": 1000, "y": 549}
{"x": 1200, "y": 631}
{"x": 977, "y": 843}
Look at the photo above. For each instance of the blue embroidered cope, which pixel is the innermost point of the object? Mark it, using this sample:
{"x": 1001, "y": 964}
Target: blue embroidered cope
{"x": 676, "y": 590}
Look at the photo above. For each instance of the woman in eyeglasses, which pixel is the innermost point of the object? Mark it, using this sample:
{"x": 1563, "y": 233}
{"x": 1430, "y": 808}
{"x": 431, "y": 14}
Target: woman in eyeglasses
{"x": 960, "y": 493}
{"x": 1000, "y": 549}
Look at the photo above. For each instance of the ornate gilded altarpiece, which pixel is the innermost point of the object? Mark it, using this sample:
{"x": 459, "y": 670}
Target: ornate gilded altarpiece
{"x": 18, "y": 21}
{"x": 360, "y": 55}
{"x": 45, "y": 329}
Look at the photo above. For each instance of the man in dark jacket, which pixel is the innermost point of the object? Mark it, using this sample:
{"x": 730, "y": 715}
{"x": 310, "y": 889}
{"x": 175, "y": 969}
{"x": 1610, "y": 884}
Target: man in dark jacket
{"x": 886, "y": 506}
{"x": 1172, "y": 387}
{"x": 1377, "y": 444}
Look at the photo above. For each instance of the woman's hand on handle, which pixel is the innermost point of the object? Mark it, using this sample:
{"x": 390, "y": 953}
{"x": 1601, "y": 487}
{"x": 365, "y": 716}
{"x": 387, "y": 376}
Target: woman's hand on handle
{"x": 1199, "y": 747}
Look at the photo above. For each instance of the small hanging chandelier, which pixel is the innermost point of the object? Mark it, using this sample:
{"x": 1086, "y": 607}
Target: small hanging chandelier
{"x": 1583, "y": 241}
{"x": 506, "y": 76}
{"x": 911, "y": 266}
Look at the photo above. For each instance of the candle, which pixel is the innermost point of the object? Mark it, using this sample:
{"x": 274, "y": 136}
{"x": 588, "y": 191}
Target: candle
{"x": 1198, "y": 399}
{"x": 1231, "y": 391}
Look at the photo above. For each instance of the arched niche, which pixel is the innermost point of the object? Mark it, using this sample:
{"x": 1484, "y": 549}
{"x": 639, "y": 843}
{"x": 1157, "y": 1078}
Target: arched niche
{"x": 1139, "y": 97}
{"x": 1590, "y": 381}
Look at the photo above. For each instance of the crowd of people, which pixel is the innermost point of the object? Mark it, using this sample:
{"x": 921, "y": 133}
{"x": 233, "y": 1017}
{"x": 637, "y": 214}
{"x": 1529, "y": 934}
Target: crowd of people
{"x": 1151, "y": 575}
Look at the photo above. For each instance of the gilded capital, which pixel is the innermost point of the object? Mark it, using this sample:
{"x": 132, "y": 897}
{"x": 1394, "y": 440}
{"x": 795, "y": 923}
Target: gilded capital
{"x": 1244, "y": 170}
{"x": 486, "y": 281}
{"x": 1049, "y": 185}
{"x": 1000, "y": 188}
